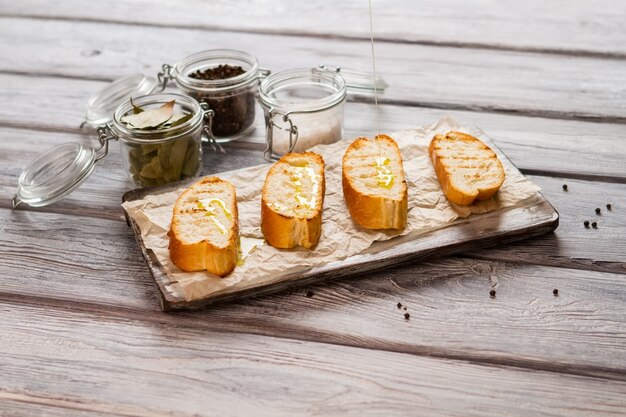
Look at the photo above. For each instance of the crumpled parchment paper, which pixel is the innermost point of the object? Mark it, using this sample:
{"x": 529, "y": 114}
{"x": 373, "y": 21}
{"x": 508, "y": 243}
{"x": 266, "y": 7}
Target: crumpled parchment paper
{"x": 341, "y": 237}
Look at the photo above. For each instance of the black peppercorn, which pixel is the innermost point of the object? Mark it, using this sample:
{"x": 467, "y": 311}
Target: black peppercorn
{"x": 399, "y": 305}
{"x": 407, "y": 316}
{"x": 555, "y": 291}
{"x": 309, "y": 293}
{"x": 221, "y": 72}
{"x": 564, "y": 187}
{"x": 233, "y": 111}
{"x": 608, "y": 206}
{"x": 492, "y": 293}
{"x": 594, "y": 225}
{"x": 586, "y": 223}
{"x": 597, "y": 210}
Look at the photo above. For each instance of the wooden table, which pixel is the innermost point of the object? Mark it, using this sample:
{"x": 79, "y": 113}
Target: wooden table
{"x": 81, "y": 330}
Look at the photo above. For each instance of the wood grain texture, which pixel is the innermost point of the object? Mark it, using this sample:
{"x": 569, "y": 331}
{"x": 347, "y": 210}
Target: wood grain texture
{"x": 582, "y": 245}
{"x": 535, "y": 145}
{"x": 98, "y": 269}
{"x": 81, "y": 331}
{"x": 156, "y": 369}
{"x": 24, "y": 405}
{"x": 592, "y": 27}
{"x": 513, "y": 82}
{"x": 567, "y": 148}
{"x": 101, "y": 195}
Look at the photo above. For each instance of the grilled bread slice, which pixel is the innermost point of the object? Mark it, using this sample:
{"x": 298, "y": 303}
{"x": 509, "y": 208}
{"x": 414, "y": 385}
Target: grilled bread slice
{"x": 204, "y": 232}
{"x": 467, "y": 169}
{"x": 373, "y": 183}
{"x": 292, "y": 201}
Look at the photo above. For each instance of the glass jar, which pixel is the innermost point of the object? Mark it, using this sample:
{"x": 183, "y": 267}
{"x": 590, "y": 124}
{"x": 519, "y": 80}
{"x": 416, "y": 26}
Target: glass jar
{"x": 304, "y": 107}
{"x": 156, "y": 157}
{"x": 151, "y": 157}
{"x": 206, "y": 76}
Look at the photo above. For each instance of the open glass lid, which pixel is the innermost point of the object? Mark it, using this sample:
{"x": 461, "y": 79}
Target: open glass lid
{"x": 55, "y": 174}
{"x": 101, "y": 107}
{"x": 358, "y": 82}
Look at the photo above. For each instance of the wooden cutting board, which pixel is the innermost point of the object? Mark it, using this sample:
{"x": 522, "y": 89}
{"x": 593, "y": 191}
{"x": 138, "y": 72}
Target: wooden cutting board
{"x": 535, "y": 217}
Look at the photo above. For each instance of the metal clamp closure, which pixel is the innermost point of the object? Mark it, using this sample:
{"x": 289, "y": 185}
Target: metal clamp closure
{"x": 269, "y": 154}
{"x": 264, "y": 73}
{"x": 208, "y": 129}
{"x": 105, "y": 134}
{"x": 327, "y": 68}
{"x": 165, "y": 75}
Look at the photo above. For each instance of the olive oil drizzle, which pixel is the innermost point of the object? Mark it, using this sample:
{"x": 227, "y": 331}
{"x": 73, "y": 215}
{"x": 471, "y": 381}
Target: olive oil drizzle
{"x": 299, "y": 197}
{"x": 296, "y": 179}
{"x": 209, "y": 205}
{"x": 384, "y": 175}
{"x": 369, "y": 3}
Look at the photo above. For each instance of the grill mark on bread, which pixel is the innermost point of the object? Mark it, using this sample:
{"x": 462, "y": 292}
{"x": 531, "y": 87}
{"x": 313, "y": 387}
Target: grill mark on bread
{"x": 373, "y": 183}
{"x": 467, "y": 169}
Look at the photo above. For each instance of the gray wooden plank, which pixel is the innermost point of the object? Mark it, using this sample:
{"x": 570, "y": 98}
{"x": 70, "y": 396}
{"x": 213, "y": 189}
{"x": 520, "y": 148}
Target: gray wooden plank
{"x": 539, "y": 145}
{"x": 157, "y": 369}
{"x": 530, "y": 360}
{"x": 93, "y": 252}
{"x": 592, "y": 27}
{"x": 456, "y": 78}
{"x": 533, "y": 144}
{"x": 98, "y": 269}
{"x": 22, "y": 405}
{"x": 582, "y": 245}
{"x": 100, "y": 196}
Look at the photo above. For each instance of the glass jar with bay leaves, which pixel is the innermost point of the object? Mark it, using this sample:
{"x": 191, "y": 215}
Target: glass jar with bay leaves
{"x": 161, "y": 137}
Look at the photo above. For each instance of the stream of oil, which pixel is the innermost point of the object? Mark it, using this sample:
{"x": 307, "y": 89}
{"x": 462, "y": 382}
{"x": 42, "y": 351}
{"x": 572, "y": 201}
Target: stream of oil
{"x": 382, "y": 172}
{"x": 369, "y": 3}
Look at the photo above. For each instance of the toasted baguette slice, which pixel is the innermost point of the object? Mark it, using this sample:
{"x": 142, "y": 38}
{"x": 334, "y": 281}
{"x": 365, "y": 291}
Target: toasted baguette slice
{"x": 467, "y": 169}
{"x": 292, "y": 201}
{"x": 373, "y": 183}
{"x": 204, "y": 232}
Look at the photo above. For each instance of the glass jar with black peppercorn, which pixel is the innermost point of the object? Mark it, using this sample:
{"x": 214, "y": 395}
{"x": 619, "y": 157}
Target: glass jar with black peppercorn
{"x": 225, "y": 79}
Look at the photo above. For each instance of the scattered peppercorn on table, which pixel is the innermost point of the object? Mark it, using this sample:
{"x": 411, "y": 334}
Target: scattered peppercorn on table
{"x": 532, "y": 328}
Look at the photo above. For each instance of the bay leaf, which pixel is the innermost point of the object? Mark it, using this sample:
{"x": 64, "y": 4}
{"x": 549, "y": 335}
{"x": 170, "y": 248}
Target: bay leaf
{"x": 177, "y": 158}
{"x": 192, "y": 159}
{"x": 148, "y": 119}
{"x": 152, "y": 169}
{"x": 177, "y": 120}
{"x": 136, "y": 109}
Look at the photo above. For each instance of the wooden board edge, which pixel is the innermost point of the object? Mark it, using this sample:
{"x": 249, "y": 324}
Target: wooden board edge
{"x": 169, "y": 302}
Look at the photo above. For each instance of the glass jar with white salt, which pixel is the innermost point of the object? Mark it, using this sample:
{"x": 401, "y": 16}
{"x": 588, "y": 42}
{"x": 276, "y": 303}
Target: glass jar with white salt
{"x": 304, "y": 107}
